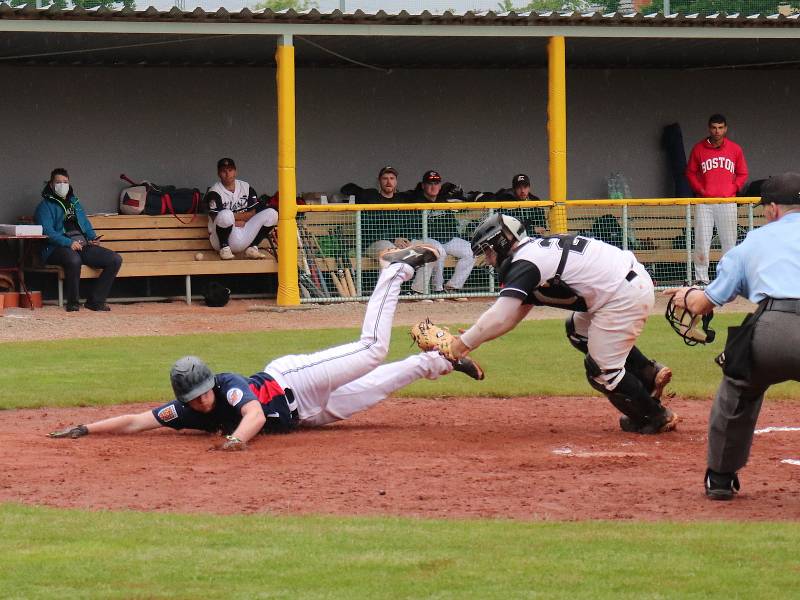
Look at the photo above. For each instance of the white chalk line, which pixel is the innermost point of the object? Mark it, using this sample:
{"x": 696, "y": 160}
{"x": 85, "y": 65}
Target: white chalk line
{"x": 772, "y": 429}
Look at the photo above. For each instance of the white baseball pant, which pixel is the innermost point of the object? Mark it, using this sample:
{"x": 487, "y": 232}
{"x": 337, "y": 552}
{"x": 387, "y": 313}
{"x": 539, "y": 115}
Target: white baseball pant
{"x": 457, "y": 247}
{"x": 241, "y": 237}
{"x": 336, "y": 383}
{"x": 705, "y": 216}
{"x": 612, "y": 330}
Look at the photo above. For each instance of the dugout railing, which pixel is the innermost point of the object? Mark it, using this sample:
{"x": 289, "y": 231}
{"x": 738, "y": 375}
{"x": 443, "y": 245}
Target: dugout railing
{"x": 335, "y": 262}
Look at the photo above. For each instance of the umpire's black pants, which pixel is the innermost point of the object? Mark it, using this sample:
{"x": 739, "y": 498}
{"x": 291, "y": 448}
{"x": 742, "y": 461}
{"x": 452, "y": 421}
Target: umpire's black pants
{"x": 734, "y": 414}
{"x": 92, "y": 256}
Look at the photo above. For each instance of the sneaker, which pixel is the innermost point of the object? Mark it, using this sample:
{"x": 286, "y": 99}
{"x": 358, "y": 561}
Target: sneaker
{"x": 416, "y": 296}
{"x": 667, "y": 421}
{"x": 721, "y": 486}
{"x": 225, "y": 253}
{"x": 73, "y": 307}
{"x": 469, "y": 367}
{"x": 98, "y": 306}
{"x": 661, "y": 380}
{"x": 415, "y": 256}
{"x": 254, "y": 253}
{"x": 451, "y": 290}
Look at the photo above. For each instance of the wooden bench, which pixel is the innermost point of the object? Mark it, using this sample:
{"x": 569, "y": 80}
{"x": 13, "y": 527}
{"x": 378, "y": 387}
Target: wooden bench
{"x": 154, "y": 246}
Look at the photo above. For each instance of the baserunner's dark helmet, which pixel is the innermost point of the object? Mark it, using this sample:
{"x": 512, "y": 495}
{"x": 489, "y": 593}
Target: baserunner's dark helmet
{"x": 498, "y": 232}
{"x": 190, "y": 378}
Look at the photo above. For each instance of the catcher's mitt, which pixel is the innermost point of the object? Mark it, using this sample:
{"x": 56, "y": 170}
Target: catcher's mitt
{"x": 432, "y": 337}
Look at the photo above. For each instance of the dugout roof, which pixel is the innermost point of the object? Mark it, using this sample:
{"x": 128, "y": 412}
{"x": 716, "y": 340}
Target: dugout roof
{"x": 173, "y": 38}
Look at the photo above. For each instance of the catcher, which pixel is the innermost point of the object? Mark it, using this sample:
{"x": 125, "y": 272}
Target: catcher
{"x": 610, "y": 295}
{"x": 298, "y": 389}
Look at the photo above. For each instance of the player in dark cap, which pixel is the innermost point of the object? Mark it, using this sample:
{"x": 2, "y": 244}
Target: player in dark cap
{"x": 765, "y": 268}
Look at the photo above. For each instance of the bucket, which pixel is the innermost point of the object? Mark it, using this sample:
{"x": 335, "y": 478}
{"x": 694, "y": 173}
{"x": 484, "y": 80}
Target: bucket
{"x": 10, "y": 299}
{"x": 35, "y": 300}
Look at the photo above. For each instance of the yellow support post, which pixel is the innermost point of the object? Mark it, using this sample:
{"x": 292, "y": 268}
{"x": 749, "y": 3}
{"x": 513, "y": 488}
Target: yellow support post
{"x": 288, "y": 289}
{"x": 557, "y": 131}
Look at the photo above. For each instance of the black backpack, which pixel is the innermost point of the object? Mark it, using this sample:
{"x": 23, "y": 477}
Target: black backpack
{"x": 216, "y": 295}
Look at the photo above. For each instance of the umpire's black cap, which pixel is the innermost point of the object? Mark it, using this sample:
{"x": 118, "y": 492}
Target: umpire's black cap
{"x": 781, "y": 189}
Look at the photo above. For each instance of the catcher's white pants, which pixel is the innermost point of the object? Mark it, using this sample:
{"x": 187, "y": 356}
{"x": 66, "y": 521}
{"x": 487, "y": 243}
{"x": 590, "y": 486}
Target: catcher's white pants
{"x": 241, "y": 237}
{"x": 706, "y": 215}
{"x": 338, "y": 382}
{"x": 612, "y": 330}
{"x": 434, "y": 272}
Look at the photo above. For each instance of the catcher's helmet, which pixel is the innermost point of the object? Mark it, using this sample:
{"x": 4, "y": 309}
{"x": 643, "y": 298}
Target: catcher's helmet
{"x": 498, "y": 232}
{"x": 693, "y": 329}
{"x": 190, "y": 378}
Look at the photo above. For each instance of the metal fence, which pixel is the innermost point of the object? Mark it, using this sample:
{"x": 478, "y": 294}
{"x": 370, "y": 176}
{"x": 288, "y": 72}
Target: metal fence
{"x": 338, "y": 244}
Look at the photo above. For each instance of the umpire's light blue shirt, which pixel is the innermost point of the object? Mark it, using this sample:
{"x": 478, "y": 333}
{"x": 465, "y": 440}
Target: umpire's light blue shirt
{"x": 765, "y": 264}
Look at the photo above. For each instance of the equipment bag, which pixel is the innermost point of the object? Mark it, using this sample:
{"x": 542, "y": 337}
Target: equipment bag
{"x": 169, "y": 200}
{"x": 132, "y": 200}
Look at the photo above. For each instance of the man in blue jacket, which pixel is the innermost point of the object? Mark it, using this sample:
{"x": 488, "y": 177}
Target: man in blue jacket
{"x": 72, "y": 242}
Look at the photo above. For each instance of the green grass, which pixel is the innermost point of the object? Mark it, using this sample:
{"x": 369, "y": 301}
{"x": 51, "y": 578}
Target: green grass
{"x": 533, "y": 359}
{"x": 61, "y": 553}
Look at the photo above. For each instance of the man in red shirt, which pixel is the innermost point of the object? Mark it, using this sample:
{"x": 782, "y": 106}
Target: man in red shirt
{"x": 716, "y": 169}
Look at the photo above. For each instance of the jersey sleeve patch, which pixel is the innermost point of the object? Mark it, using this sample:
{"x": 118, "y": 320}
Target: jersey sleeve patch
{"x": 167, "y": 414}
{"x": 234, "y": 396}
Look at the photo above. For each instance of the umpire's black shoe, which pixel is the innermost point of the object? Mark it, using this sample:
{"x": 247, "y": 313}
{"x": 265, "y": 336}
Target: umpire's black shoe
{"x": 73, "y": 307}
{"x": 721, "y": 486}
{"x": 98, "y": 306}
{"x": 469, "y": 367}
{"x": 416, "y": 256}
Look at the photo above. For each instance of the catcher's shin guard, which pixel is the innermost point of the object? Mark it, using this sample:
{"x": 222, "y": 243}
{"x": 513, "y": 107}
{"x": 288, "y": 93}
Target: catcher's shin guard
{"x": 642, "y": 413}
{"x": 652, "y": 374}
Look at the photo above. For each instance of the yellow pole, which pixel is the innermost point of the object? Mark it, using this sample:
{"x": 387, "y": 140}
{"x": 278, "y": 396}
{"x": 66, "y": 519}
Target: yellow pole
{"x": 288, "y": 290}
{"x": 557, "y": 131}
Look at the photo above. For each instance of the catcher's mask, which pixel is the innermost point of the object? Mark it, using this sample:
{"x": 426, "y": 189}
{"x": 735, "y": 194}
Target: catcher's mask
{"x": 693, "y": 329}
{"x": 190, "y": 377}
{"x": 498, "y": 232}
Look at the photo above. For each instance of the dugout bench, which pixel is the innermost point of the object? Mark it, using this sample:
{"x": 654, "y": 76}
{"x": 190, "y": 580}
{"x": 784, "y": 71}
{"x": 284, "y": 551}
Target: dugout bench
{"x": 156, "y": 246}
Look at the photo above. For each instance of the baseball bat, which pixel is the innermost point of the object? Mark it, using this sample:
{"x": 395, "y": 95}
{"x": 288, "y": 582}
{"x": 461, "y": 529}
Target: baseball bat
{"x": 350, "y": 283}
{"x": 339, "y": 287}
{"x": 317, "y": 274}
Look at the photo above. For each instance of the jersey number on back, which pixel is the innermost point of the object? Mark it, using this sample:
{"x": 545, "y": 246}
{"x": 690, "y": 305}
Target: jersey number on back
{"x": 578, "y": 243}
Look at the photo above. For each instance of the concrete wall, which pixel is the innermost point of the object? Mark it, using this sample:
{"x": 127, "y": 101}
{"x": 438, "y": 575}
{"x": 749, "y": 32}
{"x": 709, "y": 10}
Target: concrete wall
{"x": 478, "y": 127}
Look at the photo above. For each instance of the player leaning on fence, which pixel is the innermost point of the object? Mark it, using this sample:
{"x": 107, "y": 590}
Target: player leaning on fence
{"x": 610, "y": 294}
{"x": 237, "y": 219}
{"x": 716, "y": 169}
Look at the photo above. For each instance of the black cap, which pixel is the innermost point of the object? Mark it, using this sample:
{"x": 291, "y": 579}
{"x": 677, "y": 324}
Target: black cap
{"x": 781, "y": 189}
{"x": 225, "y": 162}
{"x": 431, "y": 177}
{"x": 520, "y": 179}
{"x": 387, "y": 169}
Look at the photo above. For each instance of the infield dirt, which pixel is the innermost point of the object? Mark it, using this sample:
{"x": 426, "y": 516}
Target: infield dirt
{"x": 523, "y": 458}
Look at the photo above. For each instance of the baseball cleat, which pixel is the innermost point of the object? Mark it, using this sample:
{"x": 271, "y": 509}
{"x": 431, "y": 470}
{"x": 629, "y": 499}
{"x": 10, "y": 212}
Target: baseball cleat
{"x": 415, "y": 256}
{"x": 469, "y": 367}
{"x": 721, "y": 486}
{"x": 661, "y": 380}
{"x": 667, "y": 421}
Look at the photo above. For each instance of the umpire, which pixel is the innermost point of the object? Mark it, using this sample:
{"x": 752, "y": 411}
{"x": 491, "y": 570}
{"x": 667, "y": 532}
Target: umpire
{"x": 765, "y": 268}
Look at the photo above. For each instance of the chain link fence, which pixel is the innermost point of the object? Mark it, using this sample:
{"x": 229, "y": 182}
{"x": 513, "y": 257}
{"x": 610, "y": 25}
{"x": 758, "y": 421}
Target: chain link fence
{"x": 338, "y": 248}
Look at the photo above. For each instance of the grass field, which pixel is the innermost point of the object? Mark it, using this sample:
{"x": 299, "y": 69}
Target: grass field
{"x": 534, "y": 359}
{"x": 49, "y": 553}
{"x": 70, "y": 554}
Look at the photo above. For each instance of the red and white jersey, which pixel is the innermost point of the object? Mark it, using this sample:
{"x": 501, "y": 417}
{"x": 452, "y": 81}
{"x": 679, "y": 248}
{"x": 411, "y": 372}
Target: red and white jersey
{"x": 594, "y": 270}
{"x": 716, "y": 172}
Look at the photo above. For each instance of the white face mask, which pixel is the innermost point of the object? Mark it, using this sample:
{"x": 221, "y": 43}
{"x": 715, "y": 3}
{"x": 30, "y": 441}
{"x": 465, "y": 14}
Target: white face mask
{"x": 61, "y": 189}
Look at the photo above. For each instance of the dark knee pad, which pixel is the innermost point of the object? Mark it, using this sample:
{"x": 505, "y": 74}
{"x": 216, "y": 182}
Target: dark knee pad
{"x": 578, "y": 341}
